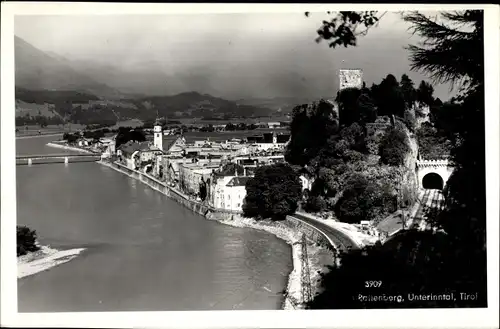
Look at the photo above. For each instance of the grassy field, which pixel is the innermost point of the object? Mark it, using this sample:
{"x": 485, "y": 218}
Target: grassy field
{"x": 23, "y": 108}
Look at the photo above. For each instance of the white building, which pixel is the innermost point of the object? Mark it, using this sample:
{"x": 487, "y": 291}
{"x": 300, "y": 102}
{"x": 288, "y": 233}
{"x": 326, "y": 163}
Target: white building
{"x": 306, "y": 182}
{"x": 229, "y": 192}
{"x": 158, "y": 136}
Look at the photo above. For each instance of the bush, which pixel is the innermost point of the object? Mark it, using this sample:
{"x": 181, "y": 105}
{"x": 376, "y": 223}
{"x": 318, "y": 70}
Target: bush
{"x": 394, "y": 147}
{"x": 26, "y": 240}
{"x": 432, "y": 145}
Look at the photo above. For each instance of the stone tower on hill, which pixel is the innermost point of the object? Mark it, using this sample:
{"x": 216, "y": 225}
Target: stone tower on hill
{"x": 350, "y": 78}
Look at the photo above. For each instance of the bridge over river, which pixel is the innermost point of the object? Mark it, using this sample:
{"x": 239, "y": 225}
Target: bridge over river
{"x": 33, "y": 159}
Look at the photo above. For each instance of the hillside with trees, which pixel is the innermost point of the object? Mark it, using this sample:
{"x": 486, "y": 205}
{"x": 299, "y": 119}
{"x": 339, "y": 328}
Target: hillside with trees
{"x": 358, "y": 176}
{"x": 85, "y": 108}
{"x": 453, "y": 257}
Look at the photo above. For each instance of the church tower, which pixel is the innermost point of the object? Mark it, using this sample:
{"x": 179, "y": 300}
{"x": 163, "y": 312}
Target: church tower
{"x": 158, "y": 134}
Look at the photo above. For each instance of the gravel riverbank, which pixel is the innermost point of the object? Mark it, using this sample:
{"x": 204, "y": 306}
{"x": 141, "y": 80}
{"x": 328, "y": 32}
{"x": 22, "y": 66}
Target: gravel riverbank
{"x": 44, "y": 259}
{"x": 70, "y": 148}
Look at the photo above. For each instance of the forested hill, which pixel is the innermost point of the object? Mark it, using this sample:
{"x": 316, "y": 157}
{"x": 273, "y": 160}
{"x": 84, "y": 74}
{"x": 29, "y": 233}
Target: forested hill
{"x": 194, "y": 104}
{"x": 86, "y": 108}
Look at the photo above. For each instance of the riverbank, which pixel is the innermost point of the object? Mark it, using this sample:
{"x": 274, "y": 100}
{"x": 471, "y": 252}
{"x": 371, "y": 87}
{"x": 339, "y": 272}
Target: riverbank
{"x": 317, "y": 256}
{"x": 286, "y": 230}
{"x": 70, "y": 148}
{"x": 43, "y": 260}
{"x": 38, "y": 135}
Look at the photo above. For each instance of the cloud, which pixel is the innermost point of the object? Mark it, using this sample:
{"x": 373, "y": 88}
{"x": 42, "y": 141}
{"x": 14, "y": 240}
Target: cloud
{"x": 234, "y": 55}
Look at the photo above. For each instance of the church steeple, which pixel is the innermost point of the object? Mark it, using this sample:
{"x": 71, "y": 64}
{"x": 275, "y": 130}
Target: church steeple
{"x": 158, "y": 133}
{"x": 157, "y": 121}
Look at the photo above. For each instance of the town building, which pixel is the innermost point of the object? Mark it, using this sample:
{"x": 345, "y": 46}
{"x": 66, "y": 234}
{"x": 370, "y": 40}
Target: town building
{"x": 135, "y": 155}
{"x": 227, "y": 191}
{"x": 191, "y": 175}
{"x": 269, "y": 141}
{"x": 158, "y": 135}
{"x": 307, "y": 182}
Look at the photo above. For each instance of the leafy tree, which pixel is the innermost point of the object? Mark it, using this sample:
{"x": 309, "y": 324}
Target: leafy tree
{"x": 408, "y": 90}
{"x": 124, "y": 136}
{"x": 348, "y": 109}
{"x": 367, "y": 108}
{"x": 394, "y": 147}
{"x": 364, "y": 199}
{"x": 71, "y": 138}
{"x": 203, "y": 190}
{"x": 315, "y": 204}
{"x": 311, "y": 127}
{"x": 389, "y": 96}
{"x": 26, "y": 240}
{"x": 425, "y": 93}
{"x": 354, "y": 136}
{"x": 230, "y": 127}
{"x": 342, "y": 28}
{"x": 274, "y": 192}
{"x": 430, "y": 262}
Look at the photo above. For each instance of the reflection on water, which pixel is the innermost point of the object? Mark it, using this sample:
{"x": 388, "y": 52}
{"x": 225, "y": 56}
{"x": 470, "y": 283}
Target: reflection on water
{"x": 145, "y": 252}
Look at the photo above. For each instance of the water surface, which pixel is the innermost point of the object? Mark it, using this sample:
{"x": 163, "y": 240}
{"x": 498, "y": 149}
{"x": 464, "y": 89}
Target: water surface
{"x": 144, "y": 251}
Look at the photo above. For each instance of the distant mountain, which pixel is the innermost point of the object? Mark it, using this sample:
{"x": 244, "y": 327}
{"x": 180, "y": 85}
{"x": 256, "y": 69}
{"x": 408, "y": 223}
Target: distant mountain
{"x": 281, "y": 105}
{"x": 85, "y": 108}
{"x": 38, "y": 70}
{"x": 197, "y": 105}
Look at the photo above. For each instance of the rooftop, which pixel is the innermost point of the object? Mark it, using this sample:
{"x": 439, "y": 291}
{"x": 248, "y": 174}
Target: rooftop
{"x": 239, "y": 181}
{"x": 130, "y": 147}
{"x": 168, "y": 141}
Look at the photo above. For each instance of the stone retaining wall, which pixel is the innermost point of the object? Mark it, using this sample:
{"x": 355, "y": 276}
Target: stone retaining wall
{"x": 312, "y": 234}
{"x": 198, "y": 207}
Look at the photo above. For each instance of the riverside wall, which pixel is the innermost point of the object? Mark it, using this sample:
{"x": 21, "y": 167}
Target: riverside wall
{"x": 198, "y": 207}
{"x": 289, "y": 230}
{"x": 312, "y": 234}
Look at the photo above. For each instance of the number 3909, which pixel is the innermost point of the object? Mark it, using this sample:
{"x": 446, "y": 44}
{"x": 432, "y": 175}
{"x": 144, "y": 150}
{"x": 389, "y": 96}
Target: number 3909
{"x": 373, "y": 284}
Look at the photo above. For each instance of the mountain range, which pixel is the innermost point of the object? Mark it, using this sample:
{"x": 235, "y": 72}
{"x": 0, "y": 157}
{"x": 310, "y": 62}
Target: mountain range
{"x": 137, "y": 91}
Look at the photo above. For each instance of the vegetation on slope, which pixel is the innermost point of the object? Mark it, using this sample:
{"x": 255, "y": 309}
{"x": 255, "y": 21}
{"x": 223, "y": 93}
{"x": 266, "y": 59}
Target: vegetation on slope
{"x": 427, "y": 262}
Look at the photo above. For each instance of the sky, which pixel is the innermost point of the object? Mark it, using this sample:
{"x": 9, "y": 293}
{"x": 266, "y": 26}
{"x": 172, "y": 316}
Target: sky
{"x": 239, "y": 55}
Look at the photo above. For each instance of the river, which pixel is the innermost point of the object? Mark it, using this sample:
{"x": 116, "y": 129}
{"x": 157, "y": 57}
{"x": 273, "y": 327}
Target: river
{"x": 144, "y": 251}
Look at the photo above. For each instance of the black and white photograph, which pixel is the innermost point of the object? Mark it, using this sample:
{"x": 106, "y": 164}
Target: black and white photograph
{"x": 250, "y": 158}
